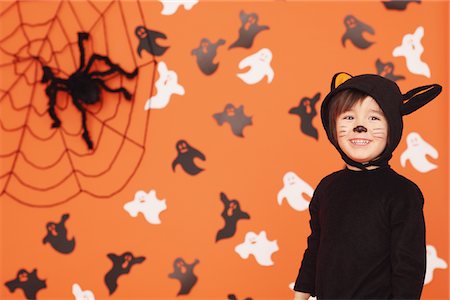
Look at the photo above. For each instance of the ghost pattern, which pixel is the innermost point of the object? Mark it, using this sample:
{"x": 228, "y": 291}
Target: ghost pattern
{"x": 259, "y": 64}
{"x": 412, "y": 49}
{"x": 235, "y": 117}
{"x": 185, "y": 158}
{"x": 433, "y": 262}
{"x": 294, "y": 190}
{"x": 166, "y": 86}
{"x": 398, "y": 5}
{"x": 205, "y": 54}
{"x": 248, "y": 30}
{"x": 233, "y": 297}
{"x": 79, "y": 294}
{"x": 147, "y": 41}
{"x": 306, "y": 110}
{"x": 170, "y": 7}
{"x": 28, "y": 282}
{"x": 148, "y": 205}
{"x": 57, "y": 236}
{"x": 121, "y": 265}
{"x": 387, "y": 70}
{"x": 231, "y": 214}
{"x": 185, "y": 274}
{"x": 354, "y": 32}
{"x": 259, "y": 246}
{"x": 416, "y": 153}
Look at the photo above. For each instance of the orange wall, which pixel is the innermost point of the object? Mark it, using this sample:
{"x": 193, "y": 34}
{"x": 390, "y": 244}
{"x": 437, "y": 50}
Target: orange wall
{"x": 55, "y": 174}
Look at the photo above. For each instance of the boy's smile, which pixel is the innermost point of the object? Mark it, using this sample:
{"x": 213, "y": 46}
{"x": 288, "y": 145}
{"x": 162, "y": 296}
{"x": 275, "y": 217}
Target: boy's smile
{"x": 360, "y": 142}
{"x": 362, "y": 131}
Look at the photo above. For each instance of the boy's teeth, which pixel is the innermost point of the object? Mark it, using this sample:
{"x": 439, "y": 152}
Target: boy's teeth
{"x": 360, "y": 142}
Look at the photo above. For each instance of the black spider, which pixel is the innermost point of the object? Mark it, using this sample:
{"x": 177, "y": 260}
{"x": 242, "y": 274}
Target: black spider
{"x": 83, "y": 86}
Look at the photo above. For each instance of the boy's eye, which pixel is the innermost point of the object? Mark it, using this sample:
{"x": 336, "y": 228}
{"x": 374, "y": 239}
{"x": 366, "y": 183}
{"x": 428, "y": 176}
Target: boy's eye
{"x": 374, "y": 118}
{"x": 348, "y": 118}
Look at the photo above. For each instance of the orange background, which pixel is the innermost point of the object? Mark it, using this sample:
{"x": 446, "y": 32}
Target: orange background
{"x": 305, "y": 39}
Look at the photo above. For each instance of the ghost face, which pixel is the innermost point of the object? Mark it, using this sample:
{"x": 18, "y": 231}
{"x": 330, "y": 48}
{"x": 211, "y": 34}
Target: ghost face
{"x": 350, "y": 22}
{"x": 126, "y": 261}
{"x": 23, "y": 276}
{"x": 182, "y": 147}
{"x": 51, "y": 227}
{"x": 180, "y": 265}
{"x": 307, "y": 104}
{"x": 411, "y": 42}
{"x": 204, "y": 46}
{"x": 413, "y": 140}
{"x": 265, "y": 56}
{"x": 250, "y": 21}
{"x": 232, "y": 208}
{"x": 290, "y": 179}
{"x": 229, "y": 109}
{"x": 362, "y": 131}
{"x": 388, "y": 68}
{"x": 141, "y": 32}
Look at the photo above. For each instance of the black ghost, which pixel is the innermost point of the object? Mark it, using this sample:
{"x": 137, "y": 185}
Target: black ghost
{"x": 306, "y": 110}
{"x": 57, "y": 236}
{"x": 233, "y": 297}
{"x": 121, "y": 265}
{"x": 147, "y": 41}
{"x": 28, "y": 282}
{"x": 185, "y": 274}
{"x": 185, "y": 157}
{"x": 206, "y": 53}
{"x": 398, "y": 4}
{"x": 387, "y": 70}
{"x": 354, "y": 32}
{"x": 231, "y": 213}
{"x": 248, "y": 31}
{"x": 235, "y": 117}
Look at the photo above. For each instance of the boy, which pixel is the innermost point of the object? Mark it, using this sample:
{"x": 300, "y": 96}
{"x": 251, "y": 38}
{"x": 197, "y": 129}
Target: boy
{"x": 367, "y": 227}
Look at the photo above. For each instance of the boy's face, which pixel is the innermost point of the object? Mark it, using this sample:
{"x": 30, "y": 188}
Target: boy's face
{"x": 362, "y": 131}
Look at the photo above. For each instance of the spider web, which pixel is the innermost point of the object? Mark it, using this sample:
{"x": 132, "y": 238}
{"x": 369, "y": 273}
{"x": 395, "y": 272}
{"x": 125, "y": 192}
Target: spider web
{"x": 43, "y": 166}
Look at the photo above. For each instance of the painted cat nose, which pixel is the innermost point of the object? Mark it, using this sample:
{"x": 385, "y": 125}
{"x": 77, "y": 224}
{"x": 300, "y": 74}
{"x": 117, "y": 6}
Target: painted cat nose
{"x": 360, "y": 129}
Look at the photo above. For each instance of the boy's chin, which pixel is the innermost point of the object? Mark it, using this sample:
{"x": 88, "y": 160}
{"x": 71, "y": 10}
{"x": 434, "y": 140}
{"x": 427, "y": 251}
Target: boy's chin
{"x": 363, "y": 160}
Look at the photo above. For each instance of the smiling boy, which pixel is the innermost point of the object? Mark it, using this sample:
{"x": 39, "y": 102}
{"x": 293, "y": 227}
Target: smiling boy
{"x": 367, "y": 236}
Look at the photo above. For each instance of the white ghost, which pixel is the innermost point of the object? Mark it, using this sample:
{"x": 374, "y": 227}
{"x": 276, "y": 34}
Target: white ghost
{"x": 80, "y": 294}
{"x": 166, "y": 86}
{"x": 171, "y": 6}
{"x": 411, "y": 48}
{"x": 291, "y": 286}
{"x": 259, "y": 246}
{"x": 416, "y": 152}
{"x": 259, "y": 64}
{"x": 433, "y": 262}
{"x": 293, "y": 190}
{"x": 147, "y": 204}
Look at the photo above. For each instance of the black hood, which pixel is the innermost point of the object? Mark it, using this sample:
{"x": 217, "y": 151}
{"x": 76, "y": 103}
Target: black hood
{"x": 390, "y": 99}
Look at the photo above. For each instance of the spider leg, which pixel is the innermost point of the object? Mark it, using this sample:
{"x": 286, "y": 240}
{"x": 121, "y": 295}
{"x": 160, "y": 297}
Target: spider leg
{"x": 114, "y": 67}
{"x": 51, "y": 92}
{"x": 119, "y": 90}
{"x": 85, "y": 135}
{"x": 81, "y": 37}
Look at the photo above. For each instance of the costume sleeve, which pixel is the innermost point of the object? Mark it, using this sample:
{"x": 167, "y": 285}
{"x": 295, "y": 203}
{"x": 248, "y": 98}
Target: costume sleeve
{"x": 408, "y": 247}
{"x": 307, "y": 273}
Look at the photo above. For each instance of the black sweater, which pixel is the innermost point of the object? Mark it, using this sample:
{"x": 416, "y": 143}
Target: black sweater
{"x": 367, "y": 238}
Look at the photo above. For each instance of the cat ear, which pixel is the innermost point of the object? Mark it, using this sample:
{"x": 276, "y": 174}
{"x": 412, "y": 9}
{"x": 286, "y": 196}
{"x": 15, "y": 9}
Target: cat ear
{"x": 338, "y": 79}
{"x": 418, "y": 97}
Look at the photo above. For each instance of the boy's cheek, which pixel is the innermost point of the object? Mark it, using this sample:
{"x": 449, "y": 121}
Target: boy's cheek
{"x": 342, "y": 129}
